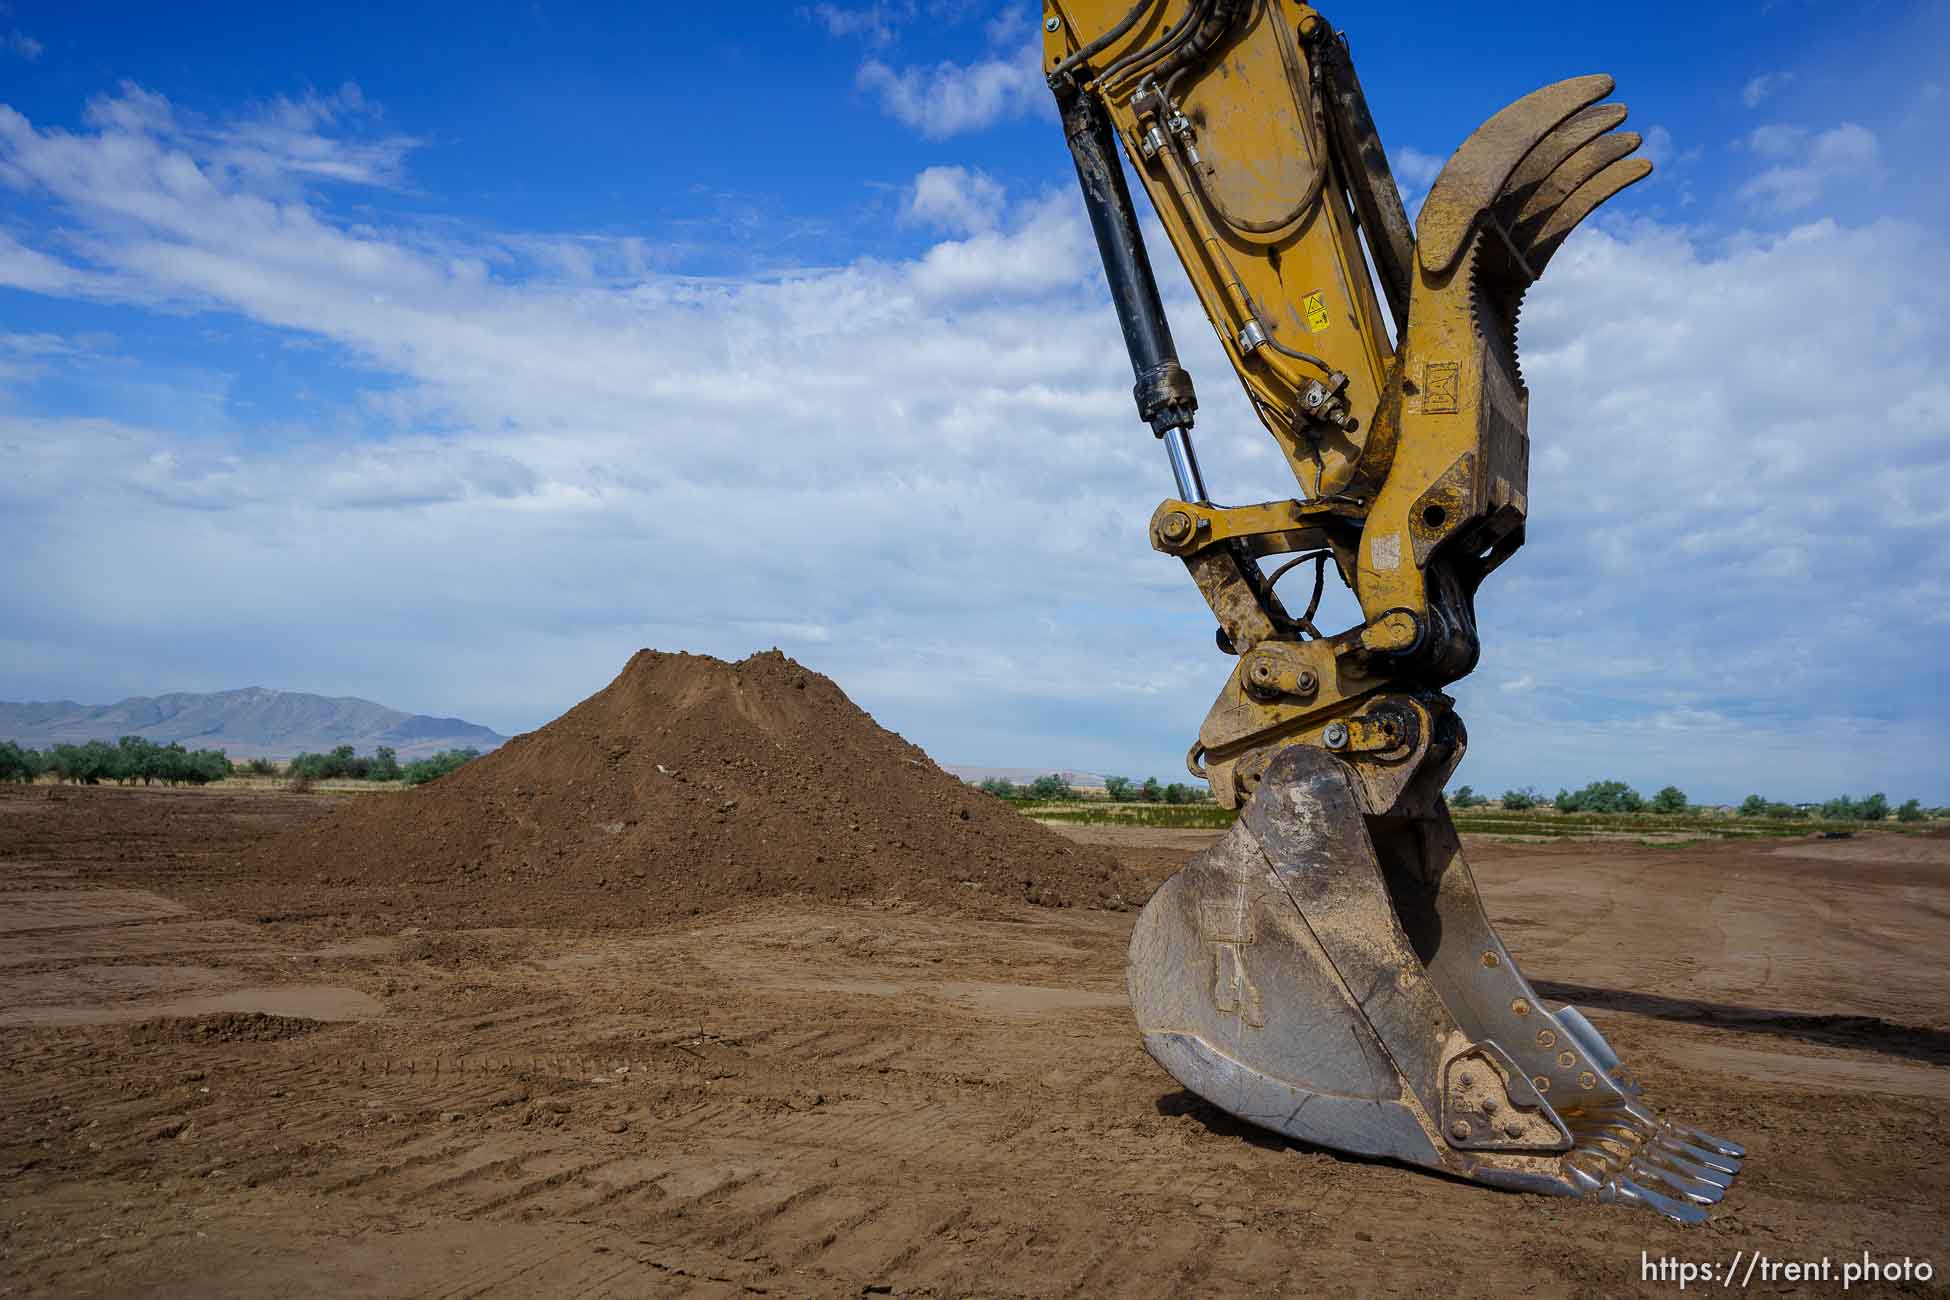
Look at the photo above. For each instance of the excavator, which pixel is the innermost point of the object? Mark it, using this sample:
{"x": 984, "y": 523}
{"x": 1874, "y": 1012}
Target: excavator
{"x": 1326, "y": 970}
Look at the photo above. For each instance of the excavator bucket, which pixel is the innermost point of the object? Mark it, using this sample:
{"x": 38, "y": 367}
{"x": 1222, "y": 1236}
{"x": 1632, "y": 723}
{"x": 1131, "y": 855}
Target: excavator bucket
{"x": 1326, "y": 971}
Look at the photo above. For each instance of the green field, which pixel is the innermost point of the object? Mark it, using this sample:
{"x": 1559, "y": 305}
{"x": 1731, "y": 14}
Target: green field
{"x": 1530, "y": 824}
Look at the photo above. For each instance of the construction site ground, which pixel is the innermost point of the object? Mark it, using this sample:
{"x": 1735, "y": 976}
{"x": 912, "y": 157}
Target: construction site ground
{"x": 213, "y": 1085}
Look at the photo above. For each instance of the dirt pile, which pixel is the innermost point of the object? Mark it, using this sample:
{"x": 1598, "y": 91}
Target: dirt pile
{"x": 690, "y": 784}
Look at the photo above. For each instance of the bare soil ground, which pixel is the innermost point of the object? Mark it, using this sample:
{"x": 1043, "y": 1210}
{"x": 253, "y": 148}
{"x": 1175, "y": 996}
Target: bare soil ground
{"x": 212, "y": 1084}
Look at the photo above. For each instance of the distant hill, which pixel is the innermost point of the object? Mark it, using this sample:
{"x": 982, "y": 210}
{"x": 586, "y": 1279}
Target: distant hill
{"x": 251, "y": 723}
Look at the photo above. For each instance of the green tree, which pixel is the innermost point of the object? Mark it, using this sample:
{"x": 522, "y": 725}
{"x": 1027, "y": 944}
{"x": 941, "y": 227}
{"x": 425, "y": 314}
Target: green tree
{"x": 1911, "y": 811}
{"x": 1466, "y": 797}
{"x": 1840, "y": 809}
{"x": 17, "y": 764}
{"x": 1753, "y": 806}
{"x": 1782, "y": 812}
{"x": 1120, "y": 789}
{"x": 1051, "y": 789}
{"x": 1177, "y": 792}
{"x": 1601, "y": 797}
{"x": 1875, "y": 808}
{"x": 1520, "y": 800}
{"x": 1669, "y": 800}
{"x": 1151, "y": 791}
{"x": 385, "y": 765}
{"x": 999, "y": 786}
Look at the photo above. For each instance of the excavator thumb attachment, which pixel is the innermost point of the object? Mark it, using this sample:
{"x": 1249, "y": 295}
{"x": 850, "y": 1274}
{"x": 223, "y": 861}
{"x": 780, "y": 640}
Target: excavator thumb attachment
{"x": 1326, "y": 971}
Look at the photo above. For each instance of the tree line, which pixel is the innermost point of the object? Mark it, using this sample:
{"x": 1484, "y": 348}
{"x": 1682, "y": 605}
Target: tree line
{"x": 345, "y": 764}
{"x": 1619, "y": 797}
{"x": 128, "y": 761}
{"x": 133, "y": 760}
{"x": 1119, "y": 789}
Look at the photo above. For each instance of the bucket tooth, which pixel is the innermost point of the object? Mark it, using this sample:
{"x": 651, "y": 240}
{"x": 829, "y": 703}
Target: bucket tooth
{"x": 1578, "y": 130}
{"x": 1583, "y": 201}
{"x": 1567, "y": 177}
{"x": 1473, "y": 179}
{"x": 1326, "y": 971}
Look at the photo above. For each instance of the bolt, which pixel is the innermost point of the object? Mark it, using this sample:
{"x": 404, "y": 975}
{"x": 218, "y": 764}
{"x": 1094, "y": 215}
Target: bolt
{"x": 1587, "y": 1080}
{"x": 1176, "y": 526}
{"x": 1567, "y": 1059}
{"x": 1466, "y": 1079}
{"x": 1490, "y": 1105}
{"x": 1460, "y": 1130}
{"x": 1490, "y": 959}
{"x": 1335, "y": 737}
{"x": 1519, "y": 1007}
{"x": 1263, "y": 671}
{"x": 1541, "y": 1082}
{"x": 1307, "y": 681}
{"x": 1513, "y": 1129}
{"x": 1052, "y": 23}
{"x": 1545, "y": 1038}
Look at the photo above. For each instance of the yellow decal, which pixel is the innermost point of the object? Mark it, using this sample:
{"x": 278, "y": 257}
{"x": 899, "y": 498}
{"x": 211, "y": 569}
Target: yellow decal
{"x": 1314, "y": 307}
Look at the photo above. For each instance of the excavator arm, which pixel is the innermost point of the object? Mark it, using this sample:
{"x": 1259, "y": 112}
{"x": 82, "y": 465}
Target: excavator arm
{"x": 1327, "y": 969}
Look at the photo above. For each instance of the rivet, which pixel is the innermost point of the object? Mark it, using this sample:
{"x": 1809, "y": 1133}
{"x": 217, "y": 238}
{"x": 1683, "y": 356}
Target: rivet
{"x": 1519, "y": 1007}
{"x": 1545, "y": 1038}
{"x": 1567, "y": 1059}
{"x": 1587, "y": 1080}
{"x": 1489, "y": 959}
{"x": 1513, "y": 1129}
{"x": 1541, "y": 1082}
{"x": 1490, "y": 1105}
{"x": 1459, "y": 1130}
{"x": 1466, "y": 1079}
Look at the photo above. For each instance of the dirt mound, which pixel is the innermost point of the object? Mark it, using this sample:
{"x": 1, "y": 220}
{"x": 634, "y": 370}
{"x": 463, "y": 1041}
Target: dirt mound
{"x": 689, "y": 784}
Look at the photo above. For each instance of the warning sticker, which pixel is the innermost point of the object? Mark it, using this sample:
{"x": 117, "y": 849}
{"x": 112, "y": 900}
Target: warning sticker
{"x": 1314, "y": 307}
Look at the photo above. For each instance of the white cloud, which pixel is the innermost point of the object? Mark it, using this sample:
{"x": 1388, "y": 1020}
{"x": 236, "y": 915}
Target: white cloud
{"x": 1806, "y": 163}
{"x": 1657, "y": 148}
{"x": 1759, "y": 89}
{"x": 925, "y": 477}
{"x": 875, "y": 22}
{"x": 948, "y": 98}
{"x": 955, "y": 199}
{"x": 1415, "y": 169}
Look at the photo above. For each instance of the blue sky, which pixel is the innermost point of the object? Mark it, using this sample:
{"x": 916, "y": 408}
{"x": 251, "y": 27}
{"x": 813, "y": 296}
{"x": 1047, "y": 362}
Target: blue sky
{"x": 446, "y": 363}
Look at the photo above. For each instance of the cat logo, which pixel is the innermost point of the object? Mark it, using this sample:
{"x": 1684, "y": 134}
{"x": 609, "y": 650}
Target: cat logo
{"x": 1442, "y": 380}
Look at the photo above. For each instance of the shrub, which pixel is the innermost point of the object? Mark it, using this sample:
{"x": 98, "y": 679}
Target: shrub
{"x": 1520, "y": 800}
{"x": 420, "y": 771}
{"x": 1911, "y": 811}
{"x": 1120, "y": 789}
{"x": 1466, "y": 797}
{"x": 1753, "y": 806}
{"x": 1000, "y": 787}
{"x": 1669, "y": 800}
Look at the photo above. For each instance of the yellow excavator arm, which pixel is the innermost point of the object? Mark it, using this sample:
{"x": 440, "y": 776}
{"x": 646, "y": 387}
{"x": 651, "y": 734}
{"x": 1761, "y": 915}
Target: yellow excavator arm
{"x": 1247, "y": 126}
{"x": 1327, "y": 970}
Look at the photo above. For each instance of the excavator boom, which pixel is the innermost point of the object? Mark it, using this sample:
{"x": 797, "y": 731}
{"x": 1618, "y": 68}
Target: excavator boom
{"x": 1327, "y": 970}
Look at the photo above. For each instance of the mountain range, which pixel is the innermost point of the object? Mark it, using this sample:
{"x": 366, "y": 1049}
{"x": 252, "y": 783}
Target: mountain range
{"x": 254, "y": 722}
